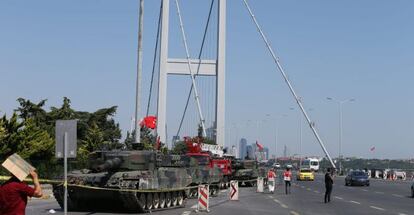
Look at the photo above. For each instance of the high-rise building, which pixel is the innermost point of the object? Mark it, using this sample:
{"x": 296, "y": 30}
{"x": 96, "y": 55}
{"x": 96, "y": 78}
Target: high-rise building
{"x": 242, "y": 148}
{"x": 250, "y": 153}
{"x": 266, "y": 153}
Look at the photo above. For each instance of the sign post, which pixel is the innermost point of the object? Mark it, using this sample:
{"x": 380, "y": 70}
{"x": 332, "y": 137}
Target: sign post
{"x": 203, "y": 198}
{"x": 234, "y": 190}
{"x": 260, "y": 187}
{"x": 66, "y": 147}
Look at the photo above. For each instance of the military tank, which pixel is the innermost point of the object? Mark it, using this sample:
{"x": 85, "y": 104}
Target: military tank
{"x": 245, "y": 171}
{"x": 112, "y": 181}
{"x": 203, "y": 171}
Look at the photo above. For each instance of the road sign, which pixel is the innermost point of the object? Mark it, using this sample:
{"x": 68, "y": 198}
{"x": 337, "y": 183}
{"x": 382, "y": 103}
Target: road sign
{"x": 260, "y": 186}
{"x": 66, "y": 128}
{"x": 203, "y": 196}
{"x": 234, "y": 190}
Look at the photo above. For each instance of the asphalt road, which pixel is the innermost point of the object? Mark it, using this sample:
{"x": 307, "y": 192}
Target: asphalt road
{"x": 382, "y": 197}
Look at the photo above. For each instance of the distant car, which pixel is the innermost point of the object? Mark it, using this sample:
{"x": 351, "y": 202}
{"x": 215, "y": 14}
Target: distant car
{"x": 276, "y": 165}
{"x": 305, "y": 175}
{"x": 357, "y": 177}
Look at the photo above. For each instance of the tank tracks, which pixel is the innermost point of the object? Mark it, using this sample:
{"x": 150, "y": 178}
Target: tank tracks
{"x": 128, "y": 201}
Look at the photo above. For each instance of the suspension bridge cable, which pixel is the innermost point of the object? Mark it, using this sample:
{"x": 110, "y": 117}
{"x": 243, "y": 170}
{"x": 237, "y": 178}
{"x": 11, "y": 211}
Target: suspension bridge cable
{"x": 198, "y": 68}
{"x": 155, "y": 58}
{"x": 197, "y": 98}
{"x": 282, "y": 71}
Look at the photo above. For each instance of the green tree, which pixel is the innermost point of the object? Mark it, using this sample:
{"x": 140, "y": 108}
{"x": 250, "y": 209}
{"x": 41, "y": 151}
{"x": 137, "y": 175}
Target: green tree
{"x": 180, "y": 148}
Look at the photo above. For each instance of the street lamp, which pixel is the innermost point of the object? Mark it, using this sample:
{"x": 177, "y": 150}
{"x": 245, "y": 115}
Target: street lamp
{"x": 276, "y": 129}
{"x": 340, "y": 103}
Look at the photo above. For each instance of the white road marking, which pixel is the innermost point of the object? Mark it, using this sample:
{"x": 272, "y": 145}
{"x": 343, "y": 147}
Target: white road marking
{"x": 364, "y": 190}
{"x": 381, "y": 209}
{"x": 186, "y": 213}
{"x": 316, "y": 191}
{"x": 337, "y": 197}
{"x": 283, "y": 205}
{"x": 402, "y": 214}
{"x": 294, "y": 213}
{"x": 308, "y": 188}
{"x": 194, "y": 206}
{"x": 271, "y": 197}
{"x": 396, "y": 195}
{"x": 277, "y": 201}
{"x": 355, "y": 202}
{"x": 379, "y": 192}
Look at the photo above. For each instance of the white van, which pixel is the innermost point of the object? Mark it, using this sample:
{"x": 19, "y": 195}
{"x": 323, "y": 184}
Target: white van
{"x": 311, "y": 163}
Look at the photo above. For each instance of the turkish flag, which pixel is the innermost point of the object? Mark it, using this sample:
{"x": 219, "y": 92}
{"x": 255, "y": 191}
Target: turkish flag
{"x": 260, "y": 146}
{"x": 149, "y": 122}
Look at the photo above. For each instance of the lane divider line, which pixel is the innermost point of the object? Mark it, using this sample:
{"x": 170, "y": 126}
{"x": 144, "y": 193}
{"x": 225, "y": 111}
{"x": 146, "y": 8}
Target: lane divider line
{"x": 379, "y": 192}
{"x": 337, "y": 197}
{"x": 294, "y": 213}
{"x": 396, "y": 195}
{"x": 355, "y": 202}
{"x": 377, "y": 208}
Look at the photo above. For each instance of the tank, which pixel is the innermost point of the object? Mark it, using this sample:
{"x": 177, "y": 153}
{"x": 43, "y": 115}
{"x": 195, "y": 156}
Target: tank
{"x": 245, "y": 170}
{"x": 112, "y": 178}
{"x": 203, "y": 171}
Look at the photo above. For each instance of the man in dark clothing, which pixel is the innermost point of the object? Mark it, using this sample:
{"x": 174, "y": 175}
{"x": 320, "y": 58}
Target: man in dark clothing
{"x": 14, "y": 193}
{"x": 328, "y": 185}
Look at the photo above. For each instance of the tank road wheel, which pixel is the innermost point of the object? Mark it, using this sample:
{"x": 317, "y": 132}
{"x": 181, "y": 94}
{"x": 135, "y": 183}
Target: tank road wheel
{"x": 149, "y": 204}
{"x": 180, "y": 198}
{"x": 174, "y": 199}
{"x": 168, "y": 200}
{"x": 156, "y": 200}
{"x": 142, "y": 199}
{"x": 162, "y": 200}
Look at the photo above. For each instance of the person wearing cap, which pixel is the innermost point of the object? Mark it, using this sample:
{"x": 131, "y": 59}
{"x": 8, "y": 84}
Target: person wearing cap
{"x": 271, "y": 180}
{"x": 14, "y": 193}
{"x": 287, "y": 177}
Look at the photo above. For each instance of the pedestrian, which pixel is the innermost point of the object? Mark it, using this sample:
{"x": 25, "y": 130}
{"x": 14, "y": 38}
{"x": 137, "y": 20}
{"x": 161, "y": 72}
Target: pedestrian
{"x": 271, "y": 180}
{"x": 328, "y": 184}
{"x": 287, "y": 177}
{"x": 14, "y": 193}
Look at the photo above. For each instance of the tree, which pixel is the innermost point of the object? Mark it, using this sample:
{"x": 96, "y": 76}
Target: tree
{"x": 180, "y": 148}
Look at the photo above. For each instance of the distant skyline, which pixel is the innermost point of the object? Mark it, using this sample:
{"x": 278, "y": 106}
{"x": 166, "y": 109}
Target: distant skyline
{"x": 86, "y": 50}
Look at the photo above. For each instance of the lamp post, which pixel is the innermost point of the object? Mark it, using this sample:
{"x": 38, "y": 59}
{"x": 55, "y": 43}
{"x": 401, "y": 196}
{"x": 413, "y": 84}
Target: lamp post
{"x": 276, "y": 129}
{"x": 340, "y": 103}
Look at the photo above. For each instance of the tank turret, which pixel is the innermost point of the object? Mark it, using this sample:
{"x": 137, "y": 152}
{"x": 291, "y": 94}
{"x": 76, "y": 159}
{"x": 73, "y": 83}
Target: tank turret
{"x": 160, "y": 181}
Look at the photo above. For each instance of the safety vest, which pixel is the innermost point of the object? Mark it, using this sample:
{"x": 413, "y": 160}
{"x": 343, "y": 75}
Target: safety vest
{"x": 287, "y": 175}
{"x": 271, "y": 175}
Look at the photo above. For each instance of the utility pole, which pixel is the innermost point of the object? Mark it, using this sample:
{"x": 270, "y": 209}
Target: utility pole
{"x": 340, "y": 103}
{"x": 139, "y": 73}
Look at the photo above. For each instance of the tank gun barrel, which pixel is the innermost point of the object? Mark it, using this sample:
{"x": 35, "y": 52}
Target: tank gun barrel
{"x": 109, "y": 164}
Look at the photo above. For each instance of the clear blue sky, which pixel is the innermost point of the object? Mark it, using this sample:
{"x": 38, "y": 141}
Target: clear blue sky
{"x": 86, "y": 50}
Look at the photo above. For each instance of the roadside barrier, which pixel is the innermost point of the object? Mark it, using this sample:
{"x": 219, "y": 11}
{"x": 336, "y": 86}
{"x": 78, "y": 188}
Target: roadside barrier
{"x": 203, "y": 198}
{"x": 234, "y": 190}
{"x": 260, "y": 185}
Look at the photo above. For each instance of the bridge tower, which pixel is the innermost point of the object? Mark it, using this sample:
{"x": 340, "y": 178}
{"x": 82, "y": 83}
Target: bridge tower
{"x": 172, "y": 66}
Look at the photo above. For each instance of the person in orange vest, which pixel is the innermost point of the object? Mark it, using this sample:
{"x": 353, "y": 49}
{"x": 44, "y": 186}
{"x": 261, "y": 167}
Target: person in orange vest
{"x": 287, "y": 177}
{"x": 271, "y": 180}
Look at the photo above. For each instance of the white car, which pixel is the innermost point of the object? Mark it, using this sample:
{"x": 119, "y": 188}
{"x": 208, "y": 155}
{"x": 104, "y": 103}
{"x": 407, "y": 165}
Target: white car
{"x": 276, "y": 165}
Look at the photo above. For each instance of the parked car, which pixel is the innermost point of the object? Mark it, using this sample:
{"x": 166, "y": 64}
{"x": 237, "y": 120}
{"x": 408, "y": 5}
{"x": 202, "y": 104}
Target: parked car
{"x": 357, "y": 177}
{"x": 305, "y": 174}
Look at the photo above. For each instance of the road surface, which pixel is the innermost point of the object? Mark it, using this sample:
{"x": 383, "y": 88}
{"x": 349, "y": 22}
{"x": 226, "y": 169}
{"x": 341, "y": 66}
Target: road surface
{"x": 382, "y": 197}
